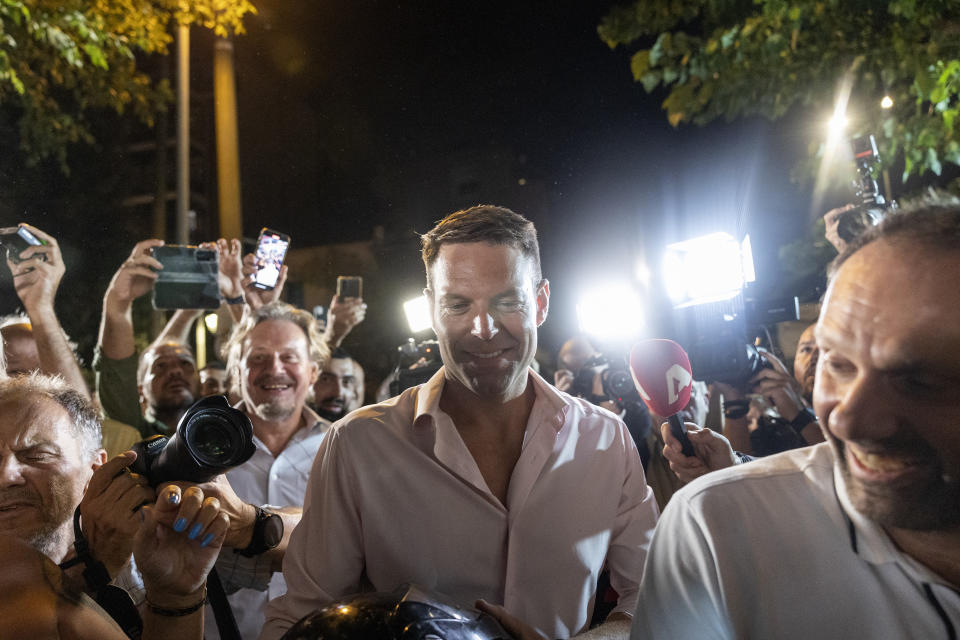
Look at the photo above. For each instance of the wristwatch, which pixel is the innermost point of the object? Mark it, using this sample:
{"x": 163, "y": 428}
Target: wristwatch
{"x": 805, "y": 417}
{"x": 267, "y": 533}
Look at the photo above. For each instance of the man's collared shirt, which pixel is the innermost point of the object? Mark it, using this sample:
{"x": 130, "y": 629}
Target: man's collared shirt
{"x": 266, "y": 480}
{"x": 395, "y": 496}
{"x": 774, "y": 549}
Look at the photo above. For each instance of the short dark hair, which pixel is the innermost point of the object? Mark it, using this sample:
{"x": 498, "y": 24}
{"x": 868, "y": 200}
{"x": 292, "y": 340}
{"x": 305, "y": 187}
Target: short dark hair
{"x": 482, "y": 223}
{"x": 933, "y": 221}
{"x": 339, "y": 353}
{"x": 214, "y": 364}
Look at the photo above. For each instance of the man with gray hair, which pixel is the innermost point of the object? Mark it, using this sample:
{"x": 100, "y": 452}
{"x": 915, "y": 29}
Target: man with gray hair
{"x": 857, "y": 537}
{"x": 273, "y": 356}
{"x": 485, "y": 482}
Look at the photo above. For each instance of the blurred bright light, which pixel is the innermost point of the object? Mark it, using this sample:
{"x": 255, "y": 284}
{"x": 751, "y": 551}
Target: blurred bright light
{"x": 418, "y": 314}
{"x": 746, "y": 260}
{"x": 642, "y": 273}
{"x": 886, "y": 102}
{"x": 707, "y": 268}
{"x": 612, "y": 312}
{"x": 836, "y": 126}
{"x": 211, "y": 321}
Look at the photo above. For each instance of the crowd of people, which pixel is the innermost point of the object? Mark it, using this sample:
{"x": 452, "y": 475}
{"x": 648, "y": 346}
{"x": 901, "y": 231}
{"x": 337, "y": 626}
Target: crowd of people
{"x": 818, "y": 502}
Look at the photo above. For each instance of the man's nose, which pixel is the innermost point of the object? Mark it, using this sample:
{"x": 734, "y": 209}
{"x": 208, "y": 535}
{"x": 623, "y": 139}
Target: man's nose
{"x": 484, "y": 326}
{"x": 863, "y": 411}
{"x": 11, "y": 471}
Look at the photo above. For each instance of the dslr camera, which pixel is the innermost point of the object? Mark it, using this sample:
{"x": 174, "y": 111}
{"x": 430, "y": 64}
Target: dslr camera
{"x": 720, "y": 336}
{"x": 212, "y": 437}
{"x": 873, "y": 206}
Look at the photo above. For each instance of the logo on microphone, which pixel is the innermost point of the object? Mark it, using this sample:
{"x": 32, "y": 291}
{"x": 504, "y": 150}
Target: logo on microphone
{"x": 678, "y": 378}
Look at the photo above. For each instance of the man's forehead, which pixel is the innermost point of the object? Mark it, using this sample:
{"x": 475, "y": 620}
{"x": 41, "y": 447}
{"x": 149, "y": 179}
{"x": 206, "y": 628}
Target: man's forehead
{"x": 271, "y": 335}
{"x": 462, "y": 263}
{"x": 339, "y": 366}
{"x": 893, "y": 292}
{"x": 30, "y": 420}
{"x": 170, "y": 352}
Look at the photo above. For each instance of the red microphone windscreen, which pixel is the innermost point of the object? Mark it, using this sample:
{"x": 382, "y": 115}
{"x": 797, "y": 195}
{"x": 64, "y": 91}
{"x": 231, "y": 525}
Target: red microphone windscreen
{"x": 661, "y": 372}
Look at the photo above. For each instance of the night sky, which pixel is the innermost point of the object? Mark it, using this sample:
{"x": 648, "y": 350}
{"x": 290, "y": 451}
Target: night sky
{"x": 349, "y": 110}
{"x": 338, "y": 99}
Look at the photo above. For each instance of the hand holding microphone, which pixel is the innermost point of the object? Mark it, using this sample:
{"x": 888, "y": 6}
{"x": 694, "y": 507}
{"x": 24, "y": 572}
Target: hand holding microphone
{"x": 663, "y": 377}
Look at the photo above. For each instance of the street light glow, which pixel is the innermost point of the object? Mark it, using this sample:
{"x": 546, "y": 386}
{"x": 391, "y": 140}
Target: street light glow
{"x": 886, "y": 102}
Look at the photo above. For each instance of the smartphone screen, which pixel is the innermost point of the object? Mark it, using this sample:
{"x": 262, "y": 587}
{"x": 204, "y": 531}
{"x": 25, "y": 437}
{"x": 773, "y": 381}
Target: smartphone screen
{"x": 349, "y": 287}
{"x": 271, "y": 250}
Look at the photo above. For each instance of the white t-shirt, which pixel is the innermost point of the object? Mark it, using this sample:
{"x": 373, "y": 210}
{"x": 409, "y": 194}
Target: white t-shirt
{"x": 774, "y": 549}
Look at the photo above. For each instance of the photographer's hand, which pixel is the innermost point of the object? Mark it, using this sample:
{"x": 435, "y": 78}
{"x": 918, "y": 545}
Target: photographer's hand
{"x": 831, "y": 219}
{"x": 109, "y": 510}
{"x": 343, "y": 316}
{"x": 242, "y": 515}
{"x": 176, "y": 546}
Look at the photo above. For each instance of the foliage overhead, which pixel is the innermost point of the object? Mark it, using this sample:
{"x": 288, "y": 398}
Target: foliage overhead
{"x": 735, "y": 58}
{"x": 62, "y": 58}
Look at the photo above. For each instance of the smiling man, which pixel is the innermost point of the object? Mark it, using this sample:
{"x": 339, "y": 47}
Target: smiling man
{"x": 485, "y": 482}
{"x": 336, "y": 390}
{"x": 858, "y": 536}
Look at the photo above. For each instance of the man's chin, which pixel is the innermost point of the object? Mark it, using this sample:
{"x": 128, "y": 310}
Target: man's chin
{"x": 273, "y": 412}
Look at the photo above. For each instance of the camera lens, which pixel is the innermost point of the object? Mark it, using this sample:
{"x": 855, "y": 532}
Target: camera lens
{"x": 620, "y": 383}
{"x": 212, "y": 442}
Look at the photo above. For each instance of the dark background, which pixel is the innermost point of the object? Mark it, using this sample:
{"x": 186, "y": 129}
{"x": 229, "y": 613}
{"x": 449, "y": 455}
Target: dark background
{"x": 357, "y": 114}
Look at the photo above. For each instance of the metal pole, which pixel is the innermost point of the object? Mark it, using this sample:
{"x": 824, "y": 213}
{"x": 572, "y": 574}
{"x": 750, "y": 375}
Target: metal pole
{"x": 183, "y": 134}
{"x": 228, "y": 160}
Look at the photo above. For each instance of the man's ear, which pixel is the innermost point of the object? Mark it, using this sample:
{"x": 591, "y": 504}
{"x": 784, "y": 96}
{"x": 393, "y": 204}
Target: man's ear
{"x": 99, "y": 458}
{"x": 543, "y": 300}
{"x": 314, "y": 373}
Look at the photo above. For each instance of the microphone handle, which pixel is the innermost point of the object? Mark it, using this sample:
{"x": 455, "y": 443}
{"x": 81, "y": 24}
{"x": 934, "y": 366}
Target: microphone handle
{"x": 679, "y": 431}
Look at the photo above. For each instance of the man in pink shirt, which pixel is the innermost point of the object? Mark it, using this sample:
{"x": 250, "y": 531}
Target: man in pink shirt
{"x": 486, "y": 482}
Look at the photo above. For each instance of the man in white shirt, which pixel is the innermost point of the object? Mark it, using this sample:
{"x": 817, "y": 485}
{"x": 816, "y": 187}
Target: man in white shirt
{"x": 273, "y": 354}
{"x": 858, "y": 537}
{"x": 485, "y": 482}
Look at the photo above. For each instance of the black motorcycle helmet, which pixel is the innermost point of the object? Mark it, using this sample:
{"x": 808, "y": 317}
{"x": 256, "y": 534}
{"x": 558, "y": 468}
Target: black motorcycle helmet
{"x": 409, "y": 613}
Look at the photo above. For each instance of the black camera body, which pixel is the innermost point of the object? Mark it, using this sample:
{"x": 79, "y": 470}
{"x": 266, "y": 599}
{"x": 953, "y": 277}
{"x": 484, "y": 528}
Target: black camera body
{"x": 212, "y": 437}
{"x": 718, "y": 336}
{"x": 873, "y": 206}
{"x": 616, "y": 380}
{"x": 418, "y": 362}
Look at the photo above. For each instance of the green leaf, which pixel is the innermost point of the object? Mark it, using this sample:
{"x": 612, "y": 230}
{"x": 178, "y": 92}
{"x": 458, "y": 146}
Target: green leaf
{"x": 933, "y": 162}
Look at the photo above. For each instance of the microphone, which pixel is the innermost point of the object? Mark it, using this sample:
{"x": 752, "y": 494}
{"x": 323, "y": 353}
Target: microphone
{"x": 663, "y": 377}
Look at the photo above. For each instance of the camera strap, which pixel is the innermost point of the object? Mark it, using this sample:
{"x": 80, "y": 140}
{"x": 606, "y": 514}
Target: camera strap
{"x": 222, "y": 613}
{"x": 112, "y": 599}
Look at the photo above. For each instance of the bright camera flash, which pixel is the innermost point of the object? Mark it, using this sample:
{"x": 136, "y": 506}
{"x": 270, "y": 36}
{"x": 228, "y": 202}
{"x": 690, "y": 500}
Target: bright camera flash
{"x": 886, "y": 102}
{"x": 704, "y": 269}
{"x": 612, "y": 312}
{"x": 418, "y": 314}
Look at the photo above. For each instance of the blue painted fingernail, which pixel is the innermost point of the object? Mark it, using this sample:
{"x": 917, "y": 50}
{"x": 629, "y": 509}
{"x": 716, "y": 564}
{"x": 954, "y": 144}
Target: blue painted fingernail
{"x": 174, "y": 497}
{"x": 207, "y": 539}
{"x": 180, "y": 524}
{"x": 194, "y": 531}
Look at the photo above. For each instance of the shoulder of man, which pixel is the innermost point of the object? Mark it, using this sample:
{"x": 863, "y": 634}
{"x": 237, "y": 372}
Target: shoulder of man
{"x": 765, "y": 478}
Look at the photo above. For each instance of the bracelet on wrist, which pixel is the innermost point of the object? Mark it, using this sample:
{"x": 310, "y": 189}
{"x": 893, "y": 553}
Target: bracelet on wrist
{"x": 237, "y": 300}
{"x": 178, "y": 613}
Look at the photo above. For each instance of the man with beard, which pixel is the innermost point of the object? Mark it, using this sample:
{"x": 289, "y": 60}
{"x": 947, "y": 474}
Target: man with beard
{"x": 50, "y": 456}
{"x": 485, "y": 482}
{"x": 274, "y": 355}
{"x": 858, "y": 536}
{"x": 166, "y": 375}
{"x": 335, "y": 392}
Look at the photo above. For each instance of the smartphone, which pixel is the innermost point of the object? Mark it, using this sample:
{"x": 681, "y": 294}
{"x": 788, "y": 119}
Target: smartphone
{"x": 16, "y": 240}
{"x": 271, "y": 250}
{"x": 188, "y": 279}
{"x": 320, "y": 313}
{"x": 349, "y": 287}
